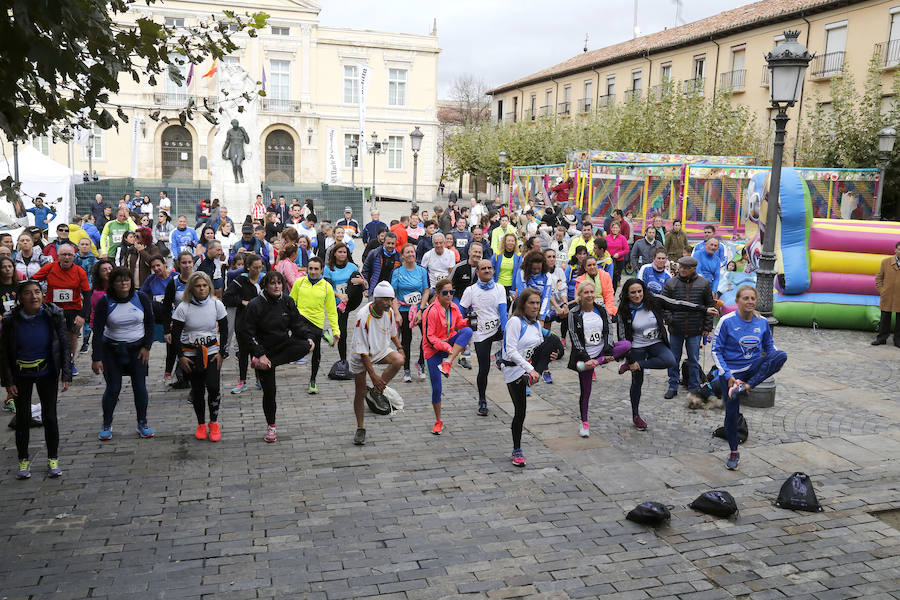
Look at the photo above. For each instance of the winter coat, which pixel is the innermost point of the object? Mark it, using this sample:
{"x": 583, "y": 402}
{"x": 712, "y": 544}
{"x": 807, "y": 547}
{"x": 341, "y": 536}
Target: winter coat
{"x": 694, "y": 289}
{"x": 269, "y": 322}
{"x": 237, "y": 291}
{"x": 888, "y": 284}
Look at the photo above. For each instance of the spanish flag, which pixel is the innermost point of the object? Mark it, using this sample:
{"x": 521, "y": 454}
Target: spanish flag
{"x": 212, "y": 71}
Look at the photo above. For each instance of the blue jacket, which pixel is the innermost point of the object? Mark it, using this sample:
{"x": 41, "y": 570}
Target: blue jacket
{"x": 737, "y": 343}
{"x": 654, "y": 279}
{"x": 40, "y": 214}
{"x": 179, "y": 240}
{"x": 93, "y": 232}
{"x": 87, "y": 263}
{"x": 517, "y": 262}
{"x": 370, "y": 231}
{"x": 375, "y": 263}
{"x": 710, "y": 268}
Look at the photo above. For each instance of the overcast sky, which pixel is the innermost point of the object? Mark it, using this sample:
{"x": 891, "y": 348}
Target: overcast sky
{"x": 501, "y": 41}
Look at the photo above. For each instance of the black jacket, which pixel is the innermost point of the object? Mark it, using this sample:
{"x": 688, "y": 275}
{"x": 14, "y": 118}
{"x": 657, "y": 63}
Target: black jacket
{"x": 659, "y": 306}
{"x": 269, "y": 322}
{"x": 694, "y": 289}
{"x": 240, "y": 289}
{"x": 208, "y": 266}
{"x": 168, "y": 303}
{"x": 461, "y": 277}
{"x": 60, "y": 353}
{"x": 576, "y": 333}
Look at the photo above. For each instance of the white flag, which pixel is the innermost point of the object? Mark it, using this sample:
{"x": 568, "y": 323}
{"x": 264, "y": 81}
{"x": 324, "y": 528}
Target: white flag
{"x": 364, "y": 76}
{"x": 333, "y": 171}
{"x": 135, "y": 128}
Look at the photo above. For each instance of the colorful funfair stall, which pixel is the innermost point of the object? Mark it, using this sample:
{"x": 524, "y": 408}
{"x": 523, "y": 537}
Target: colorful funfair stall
{"x": 699, "y": 190}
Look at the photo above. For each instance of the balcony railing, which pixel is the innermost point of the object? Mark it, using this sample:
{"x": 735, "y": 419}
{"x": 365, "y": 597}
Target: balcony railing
{"x": 827, "y": 65}
{"x": 171, "y": 100}
{"x": 655, "y": 93}
{"x": 545, "y": 111}
{"x": 693, "y": 86}
{"x": 564, "y": 109}
{"x": 632, "y": 95}
{"x": 528, "y": 114}
{"x": 510, "y": 116}
{"x": 888, "y": 54}
{"x": 585, "y": 105}
{"x": 278, "y": 105}
{"x": 765, "y": 77}
{"x": 606, "y": 100}
{"x": 733, "y": 80}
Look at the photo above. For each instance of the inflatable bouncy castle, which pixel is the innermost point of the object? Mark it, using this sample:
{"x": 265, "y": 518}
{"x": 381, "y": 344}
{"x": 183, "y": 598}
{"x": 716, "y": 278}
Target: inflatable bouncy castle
{"x": 826, "y": 267}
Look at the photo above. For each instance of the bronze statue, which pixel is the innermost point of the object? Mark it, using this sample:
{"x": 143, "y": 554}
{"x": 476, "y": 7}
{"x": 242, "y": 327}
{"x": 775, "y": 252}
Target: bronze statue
{"x": 233, "y": 149}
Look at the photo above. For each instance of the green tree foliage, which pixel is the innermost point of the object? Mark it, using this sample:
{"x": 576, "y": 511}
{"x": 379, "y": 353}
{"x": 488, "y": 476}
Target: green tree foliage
{"x": 664, "y": 122}
{"x": 61, "y": 60}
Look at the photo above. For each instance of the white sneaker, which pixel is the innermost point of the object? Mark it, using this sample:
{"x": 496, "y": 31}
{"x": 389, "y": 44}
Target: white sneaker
{"x": 406, "y": 376}
{"x": 585, "y": 430}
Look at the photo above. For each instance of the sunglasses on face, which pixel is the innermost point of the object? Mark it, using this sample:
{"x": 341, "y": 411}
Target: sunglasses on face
{"x": 446, "y": 292}
{"x": 62, "y": 229}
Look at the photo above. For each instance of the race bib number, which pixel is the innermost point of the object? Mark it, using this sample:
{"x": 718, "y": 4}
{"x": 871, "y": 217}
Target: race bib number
{"x": 488, "y": 325}
{"x": 529, "y": 353}
{"x": 412, "y": 297}
{"x": 438, "y": 275}
{"x": 593, "y": 337}
{"x": 341, "y": 289}
{"x": 117, "y": 236}
{"x": 462, "y": 243}
{"x": 158, "y": 298}
{"x": 62, "y": 295}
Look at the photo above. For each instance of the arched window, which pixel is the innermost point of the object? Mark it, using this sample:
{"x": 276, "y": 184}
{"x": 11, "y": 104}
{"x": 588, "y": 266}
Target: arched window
{"x": 177, "y": 153}
{"x": 279, "y": 157}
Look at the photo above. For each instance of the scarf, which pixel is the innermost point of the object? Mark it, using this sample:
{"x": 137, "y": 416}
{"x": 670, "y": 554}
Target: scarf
{"x": 635, "y": 308}
{"x": 203, "y": 302}
{"x": 486, "y": 286}
{"x": 508, "y": 254}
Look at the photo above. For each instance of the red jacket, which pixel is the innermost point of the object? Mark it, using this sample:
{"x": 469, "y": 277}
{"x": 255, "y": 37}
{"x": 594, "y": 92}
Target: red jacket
{"x": 402, "y": 237}
{"x": 436, "y": 334}
{"x": 617, "y": 244}
{"x": 562, "y": 191}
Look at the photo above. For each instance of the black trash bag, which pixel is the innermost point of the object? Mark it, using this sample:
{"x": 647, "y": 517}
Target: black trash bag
{"x": 378, "y": 404}
{"x": 743, "y": 430}
{"x": 649, "y": 513}
{"x": 797, "y": 493}
{"x": 716, "y": 503}
{"x": 340, "y": 371}
{"x": 32, "y": 422}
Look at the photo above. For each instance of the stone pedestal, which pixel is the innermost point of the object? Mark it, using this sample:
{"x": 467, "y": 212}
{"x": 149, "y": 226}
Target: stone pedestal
{"x": 238, "y": 197}
{"x": 762, "y": 396}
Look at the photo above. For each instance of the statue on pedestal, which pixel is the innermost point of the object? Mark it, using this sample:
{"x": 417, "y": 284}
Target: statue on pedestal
{"x": 233, "y": 149}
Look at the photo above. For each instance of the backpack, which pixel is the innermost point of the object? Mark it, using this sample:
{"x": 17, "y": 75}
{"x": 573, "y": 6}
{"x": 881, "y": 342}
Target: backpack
{"x": 394, "y": 398}
{"x": 340, "y": 371}
{"x": 797, "y": 493}
{"x": 649, "y": 513}
{"x": 715, "y": 503}
{"x": 743, "y": 430}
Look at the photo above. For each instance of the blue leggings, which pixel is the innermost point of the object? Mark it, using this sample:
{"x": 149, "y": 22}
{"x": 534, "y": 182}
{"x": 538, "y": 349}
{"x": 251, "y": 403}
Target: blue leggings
{"x": 462, "y": 338}
{"x": 761, "y": 369}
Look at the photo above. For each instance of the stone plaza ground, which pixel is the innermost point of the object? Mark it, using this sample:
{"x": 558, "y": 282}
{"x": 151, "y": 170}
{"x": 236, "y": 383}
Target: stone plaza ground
{"x": 413, "y": 515}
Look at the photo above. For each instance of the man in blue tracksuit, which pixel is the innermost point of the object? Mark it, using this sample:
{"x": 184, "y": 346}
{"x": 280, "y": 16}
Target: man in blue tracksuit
{"x": 745, "y": 356}
{"x": 41, "y": 214}
{"x": 709, "y": 266}
{"x": 182, "y": 237}
{"x": 709, "y": 232}
{"x": 656, "y": 274}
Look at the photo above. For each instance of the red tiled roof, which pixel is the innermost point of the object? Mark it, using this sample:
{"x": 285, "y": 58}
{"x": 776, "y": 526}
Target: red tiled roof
{"x": 741, "y": 18}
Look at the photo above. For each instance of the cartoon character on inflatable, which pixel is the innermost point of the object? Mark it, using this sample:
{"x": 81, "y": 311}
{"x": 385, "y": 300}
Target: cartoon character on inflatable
{"x": 826, "y": 267}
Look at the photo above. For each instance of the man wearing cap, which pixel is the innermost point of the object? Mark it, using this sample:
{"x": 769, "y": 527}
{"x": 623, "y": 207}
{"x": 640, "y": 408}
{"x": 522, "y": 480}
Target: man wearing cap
{"x": 370, "y": 231}
{"x": 686, "y": 329}
{"x": 249, "y": 244}
{"x": 350, "y": 225}
{"x": 370, "y": 344}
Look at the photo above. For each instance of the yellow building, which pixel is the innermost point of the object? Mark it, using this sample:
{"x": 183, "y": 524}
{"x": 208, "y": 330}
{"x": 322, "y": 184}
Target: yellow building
{"x": 313, "y": 84}
{"x": 725, "y": 52}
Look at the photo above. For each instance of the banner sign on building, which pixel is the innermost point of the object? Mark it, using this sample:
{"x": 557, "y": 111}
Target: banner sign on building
{"x": 135, "y": 131}
{"x": 333, "y": 171}
{"x": 364, "y": 77}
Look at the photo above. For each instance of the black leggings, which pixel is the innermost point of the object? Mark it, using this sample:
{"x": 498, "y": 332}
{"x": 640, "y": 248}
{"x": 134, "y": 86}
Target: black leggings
{"x": 243, "y": 358}
{"x": 47, "y": 390}
{"x": 287, "y": 352}
{"x": 540, "y": 360}
{"x": 406, "y": 340}
{"x": 205, "y": 380}
{"x": 483, "y": 353}
{"x": 618, "y": 267}
{"x": 342, "y": 342}
{"x": 171, "y": 357}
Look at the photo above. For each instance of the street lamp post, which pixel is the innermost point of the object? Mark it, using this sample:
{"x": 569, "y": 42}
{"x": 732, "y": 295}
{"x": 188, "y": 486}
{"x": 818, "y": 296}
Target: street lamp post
{"x": 375, "y": 147}
{"x": 415, "y": 140}
{"x": 354, "y": 155}
{"x": 502, "y": 159}
{"x": 886, "y": 139}
{"x": 91, "y": 153}
{"x": 787, "y": 67}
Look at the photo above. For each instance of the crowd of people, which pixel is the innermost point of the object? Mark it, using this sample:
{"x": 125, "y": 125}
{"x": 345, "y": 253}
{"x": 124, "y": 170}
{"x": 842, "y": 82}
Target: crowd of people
{"x": 278, "y": 284}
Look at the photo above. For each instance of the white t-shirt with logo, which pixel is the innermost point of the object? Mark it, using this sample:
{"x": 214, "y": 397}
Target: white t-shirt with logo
{"x": 438, "y": 265}
{"x": 594, "y": 334}
{"x": 200, "y": 323}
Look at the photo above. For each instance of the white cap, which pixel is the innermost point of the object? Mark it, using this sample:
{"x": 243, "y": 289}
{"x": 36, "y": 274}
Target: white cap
{"x": 383, "y": 290}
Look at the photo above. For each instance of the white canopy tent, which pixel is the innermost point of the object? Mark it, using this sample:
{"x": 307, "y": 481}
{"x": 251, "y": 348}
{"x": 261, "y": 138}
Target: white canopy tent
{"x": 38, "y": 173}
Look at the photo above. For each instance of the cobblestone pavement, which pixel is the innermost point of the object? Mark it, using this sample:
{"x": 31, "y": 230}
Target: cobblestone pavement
{"x": 413, "y": 515}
